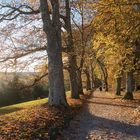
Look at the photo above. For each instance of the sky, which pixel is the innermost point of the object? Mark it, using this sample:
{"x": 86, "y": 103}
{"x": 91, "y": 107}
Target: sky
{"x": 32, "y": 60}
{"x": 19, "y": 33}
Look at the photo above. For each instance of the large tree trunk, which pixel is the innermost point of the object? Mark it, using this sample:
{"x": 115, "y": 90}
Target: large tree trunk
{"x": 118, "y": 86}
{"x": 71, "y": 56}
{"x": 105, "y": 73}
{"x": 73, "y": 77}
{"x": 129, "y": 86}
{"x": 80, "y": 86}
{"x": 88, "y": 82}
{"x": 52, "y": 28}
{"x": 55, "y": 70}
{"x": 88, "y": 86}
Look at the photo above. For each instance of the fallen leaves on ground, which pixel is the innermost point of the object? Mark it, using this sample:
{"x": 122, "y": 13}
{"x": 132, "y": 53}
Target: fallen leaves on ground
{"x": 106, "y": 118}
{"x": 36, "y": 122}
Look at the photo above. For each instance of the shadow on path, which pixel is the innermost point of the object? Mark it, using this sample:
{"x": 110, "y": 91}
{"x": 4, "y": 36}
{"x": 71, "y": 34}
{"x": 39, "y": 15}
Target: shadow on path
{"x": 87, "y": 125}
{"x": 117, "y": 126}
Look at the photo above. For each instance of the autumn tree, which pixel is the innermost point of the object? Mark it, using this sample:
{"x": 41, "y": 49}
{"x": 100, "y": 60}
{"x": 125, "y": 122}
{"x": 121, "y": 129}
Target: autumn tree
{"x": 52, "y": 28}
{"x": 72, "y": 61}
{"x": 115, "y": 20}
{"x": 83, "y": 32}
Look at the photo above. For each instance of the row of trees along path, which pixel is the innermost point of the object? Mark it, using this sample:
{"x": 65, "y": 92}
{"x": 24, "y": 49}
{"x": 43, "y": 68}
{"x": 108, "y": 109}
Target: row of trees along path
{"x": 105, "y": 118}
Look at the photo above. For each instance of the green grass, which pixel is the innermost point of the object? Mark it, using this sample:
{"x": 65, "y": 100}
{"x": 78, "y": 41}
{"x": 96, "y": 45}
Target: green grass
{"x": 20, "y": 106}
{"x": 68, "y": 93}
{"x": 16, "y": 107}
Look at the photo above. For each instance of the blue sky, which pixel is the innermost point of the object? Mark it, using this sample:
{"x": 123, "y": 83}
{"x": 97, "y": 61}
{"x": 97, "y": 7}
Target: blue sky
{"x": 19, "y": 33}
{"x": 31, "y": 60}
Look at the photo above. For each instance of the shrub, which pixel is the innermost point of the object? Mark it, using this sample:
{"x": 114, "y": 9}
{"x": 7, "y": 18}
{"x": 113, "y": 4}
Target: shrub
{"x": 40, "y": 91}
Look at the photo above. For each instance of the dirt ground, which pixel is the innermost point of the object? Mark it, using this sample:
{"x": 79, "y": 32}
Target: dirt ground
{"x": 106, "y": 118}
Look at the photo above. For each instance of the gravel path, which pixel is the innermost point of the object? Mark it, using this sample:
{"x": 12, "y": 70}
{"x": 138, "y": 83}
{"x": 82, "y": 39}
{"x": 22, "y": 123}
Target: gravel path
{"x": 105, "y": 118}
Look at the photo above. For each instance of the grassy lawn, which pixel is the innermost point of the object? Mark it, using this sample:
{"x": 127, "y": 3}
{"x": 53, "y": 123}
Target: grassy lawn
{"x": 34, "y": 119}
{"x": 20, "y": 106}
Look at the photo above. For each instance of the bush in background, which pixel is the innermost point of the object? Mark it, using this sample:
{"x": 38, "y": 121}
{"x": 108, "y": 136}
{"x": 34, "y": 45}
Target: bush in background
{"x": 15, "y": 91}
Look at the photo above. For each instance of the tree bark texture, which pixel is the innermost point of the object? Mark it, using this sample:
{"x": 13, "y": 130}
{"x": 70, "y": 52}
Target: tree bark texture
{"x": 129, "y": 86}
{"x": 88, "y": 82}
{"x": 105, "y": 73}
{"x": 71, "y": 54}
{"x": 52, "y": 28}
{"x": 118, "y": 86}
{"x": 80, "y": 86}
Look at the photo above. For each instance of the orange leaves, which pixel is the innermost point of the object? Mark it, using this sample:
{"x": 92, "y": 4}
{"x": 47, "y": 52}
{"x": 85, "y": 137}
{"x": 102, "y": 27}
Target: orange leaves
{"x": 75, "y": 102}
{"x": 35, "y": 122}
